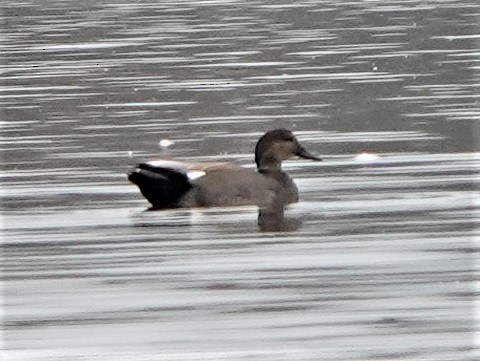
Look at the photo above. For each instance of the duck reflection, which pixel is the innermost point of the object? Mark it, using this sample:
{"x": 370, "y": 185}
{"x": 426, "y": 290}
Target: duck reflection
{"x": 272, "y": 219}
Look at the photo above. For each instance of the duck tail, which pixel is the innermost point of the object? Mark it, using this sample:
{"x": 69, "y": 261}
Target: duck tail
{"x": 162, "y": 187}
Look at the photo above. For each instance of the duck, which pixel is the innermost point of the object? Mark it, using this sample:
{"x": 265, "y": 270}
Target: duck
{"x": 170, "y": 184}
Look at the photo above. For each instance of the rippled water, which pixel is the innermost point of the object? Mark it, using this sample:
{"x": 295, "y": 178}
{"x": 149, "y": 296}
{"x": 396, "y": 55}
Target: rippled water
{"x": 383, "y": 263}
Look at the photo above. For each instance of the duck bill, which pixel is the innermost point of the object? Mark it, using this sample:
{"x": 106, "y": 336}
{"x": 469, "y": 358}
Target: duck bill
{"x": 303, "y": 153}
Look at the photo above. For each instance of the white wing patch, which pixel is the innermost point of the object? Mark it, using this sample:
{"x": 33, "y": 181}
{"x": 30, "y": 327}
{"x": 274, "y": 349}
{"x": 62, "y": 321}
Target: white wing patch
{"x": 171, "y": 164}
{"x": 192, "y": 170}
{"x": 195, "y": 174}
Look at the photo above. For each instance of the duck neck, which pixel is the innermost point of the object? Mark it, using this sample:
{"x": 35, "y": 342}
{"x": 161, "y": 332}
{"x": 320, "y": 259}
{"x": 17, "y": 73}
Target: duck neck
{"x": 270, "y": 167}
{"x": 269, "y": 163}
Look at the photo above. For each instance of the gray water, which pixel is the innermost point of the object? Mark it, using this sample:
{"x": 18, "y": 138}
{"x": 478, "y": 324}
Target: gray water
{"x": 383, "y": 263}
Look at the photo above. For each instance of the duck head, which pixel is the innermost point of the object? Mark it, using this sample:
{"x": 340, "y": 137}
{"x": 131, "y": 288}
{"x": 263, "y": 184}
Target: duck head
{"x": 276, "y": 146}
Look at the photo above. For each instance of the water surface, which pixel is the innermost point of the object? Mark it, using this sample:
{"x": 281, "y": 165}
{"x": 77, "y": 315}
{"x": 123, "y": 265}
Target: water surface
{"x": 383, "y": 263}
